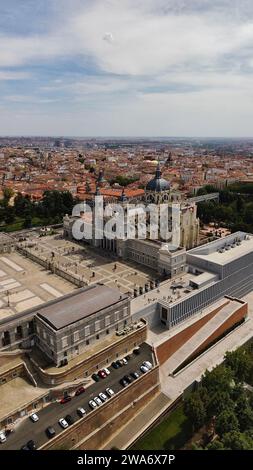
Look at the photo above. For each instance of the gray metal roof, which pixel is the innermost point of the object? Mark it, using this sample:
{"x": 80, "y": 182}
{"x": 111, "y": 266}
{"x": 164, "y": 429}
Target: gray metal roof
{"x": 80, "y": 305}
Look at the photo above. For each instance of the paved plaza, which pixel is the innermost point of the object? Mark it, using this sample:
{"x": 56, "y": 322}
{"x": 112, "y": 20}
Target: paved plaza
{"x": 25, "y": 284}
{"x": 89, "y": 264}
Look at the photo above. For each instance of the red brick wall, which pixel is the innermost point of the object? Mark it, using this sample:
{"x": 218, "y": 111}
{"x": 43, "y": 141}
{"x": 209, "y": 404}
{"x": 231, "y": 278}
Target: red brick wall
{"x": 235, "y": 318}
{"x": 165, "y": 350}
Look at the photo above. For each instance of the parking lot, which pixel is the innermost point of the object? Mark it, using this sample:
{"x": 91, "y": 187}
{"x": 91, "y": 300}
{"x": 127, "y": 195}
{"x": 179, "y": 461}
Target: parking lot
{"x": 51, "y": 414}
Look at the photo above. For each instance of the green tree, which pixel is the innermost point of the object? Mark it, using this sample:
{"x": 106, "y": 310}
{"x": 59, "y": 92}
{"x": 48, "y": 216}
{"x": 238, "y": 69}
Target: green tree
{"x": 194, "y": 409}
{"x": 9, "y": 215}
{"x": 226, "y": 422}
{"x": 240, "y": 362}
{"x": 220, "y": 379}
{"x": 219, "y": 401}
{"x": 7, "y": 193}
{"x": 215, "y": 445}
{"x": 236, "y": 440}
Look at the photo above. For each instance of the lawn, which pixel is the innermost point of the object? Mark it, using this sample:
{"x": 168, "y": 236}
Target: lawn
{"x": 171, "y": 434}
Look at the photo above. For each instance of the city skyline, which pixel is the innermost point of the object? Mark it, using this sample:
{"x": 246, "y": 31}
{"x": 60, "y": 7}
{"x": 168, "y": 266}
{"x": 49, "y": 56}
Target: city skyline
{"x": 129, "y": 68}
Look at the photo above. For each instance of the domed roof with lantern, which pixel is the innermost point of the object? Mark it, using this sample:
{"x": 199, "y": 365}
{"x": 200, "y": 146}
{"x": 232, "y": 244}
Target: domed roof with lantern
{"x": 158, "y": 184}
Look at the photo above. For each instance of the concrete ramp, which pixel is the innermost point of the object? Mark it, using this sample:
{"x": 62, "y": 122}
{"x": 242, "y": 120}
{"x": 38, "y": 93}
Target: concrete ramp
{"x": 213, "y": 329}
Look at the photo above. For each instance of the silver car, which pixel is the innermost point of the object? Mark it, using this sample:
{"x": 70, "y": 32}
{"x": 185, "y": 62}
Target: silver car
{"x": 102, "y": 396}
{"x": 2, "y": 437}
{"x": 147, "y": 364}
{"x": 63, "y": 423}
{"x": 98, "y": 401}
{"x": 81, "y": 411}
{"x": 92, "y": 404}
{"x": 34, "y": 418}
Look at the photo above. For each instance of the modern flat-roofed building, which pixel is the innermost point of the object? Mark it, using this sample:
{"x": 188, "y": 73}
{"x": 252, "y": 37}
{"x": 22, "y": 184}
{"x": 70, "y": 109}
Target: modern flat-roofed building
{"x": 66, "y": 327}
{"x": 220, "y": 268}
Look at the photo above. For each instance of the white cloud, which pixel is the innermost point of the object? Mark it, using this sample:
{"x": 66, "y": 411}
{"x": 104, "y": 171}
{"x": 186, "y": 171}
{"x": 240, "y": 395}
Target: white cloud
{"x": 175, "y": 65}
{"x": 10, "y": 75}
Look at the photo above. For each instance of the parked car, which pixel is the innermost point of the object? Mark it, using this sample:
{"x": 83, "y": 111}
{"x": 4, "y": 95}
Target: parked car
{"x": 95, "y": 377}
{"x": 120, "y": 363}
{"x": 109, "y": 392}
{"x": 125, "y": 361}
{"x": 34, "y": 418}
{"x": 79, "y": 391}
{"x": 123, "y": 382}
{"x": 147, "y": 364}
{"x": 24, "y": 447}
{"x": 63, "y": 423}
{"x": 69, "y": 419}
{"x": 106, "y": 371}
{"x": 102, "y": 396}
{"x": 144, "y": 369}
{"x": 102, "y": 374}
{"x": 92, "y": 404}
{"x": 137, "y": 351}
{"x": 65, "y": 399}
{"x": 135, "y": 375}
{"x": 115, "y": 365}
{"x": 128, "y": 357}
{"x": 2, "y": 437}
{"x": 81, "y": 411}
{"x": 127, "y": 378}
{"x": 31, "y": 445}
{"x": 50, "y": 432}
{"x": 98, "y": 401}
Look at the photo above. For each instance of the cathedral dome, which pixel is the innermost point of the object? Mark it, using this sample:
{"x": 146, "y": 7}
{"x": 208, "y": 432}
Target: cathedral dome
{"x": 158, "y": 184}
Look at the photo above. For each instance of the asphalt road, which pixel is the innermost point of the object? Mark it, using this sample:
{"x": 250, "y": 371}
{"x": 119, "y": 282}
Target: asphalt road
{"x": 50, "y": 415}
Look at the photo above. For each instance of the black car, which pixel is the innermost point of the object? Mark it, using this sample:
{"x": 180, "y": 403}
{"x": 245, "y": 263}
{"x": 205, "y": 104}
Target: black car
{"x": 24, "y": 447}
{"x": 128, "y": 357}
{"x": 127, "y": 379}
{"x": 115, "y": 365}
{"x": 95, "y": 377}
{"x": 137, "y": 351}
{"x": 69, "y": 420}
{"x": 120, "y": 363}
{"x": 123, "y": 382}
{"x": 50, "y": 432}
{"x": 135, "y": 375}
{"x": 31, "y": 445}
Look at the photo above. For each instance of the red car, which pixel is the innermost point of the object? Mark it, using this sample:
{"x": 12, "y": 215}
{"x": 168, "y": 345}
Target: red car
{"x": 79, "y": 391}
{"x": 65, "y": 400}
{"x": 102, "y": 374}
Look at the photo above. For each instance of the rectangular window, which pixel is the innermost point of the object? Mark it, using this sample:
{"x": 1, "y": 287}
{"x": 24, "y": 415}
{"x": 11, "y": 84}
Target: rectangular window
{"x": 116, "y": 316}
{"x": 76, "y": 336}
{"x": 97, "y": 325}
{"x": 125, "y": 312}
{"x": 64, "y": 342}
{"x": 87, "y": 330}
{"x": 107, "y": 320}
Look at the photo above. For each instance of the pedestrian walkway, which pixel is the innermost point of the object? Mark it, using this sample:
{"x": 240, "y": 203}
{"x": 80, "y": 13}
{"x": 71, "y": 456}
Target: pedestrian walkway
{"x": 129, "y": 433}
{"x": 201, "y": 336}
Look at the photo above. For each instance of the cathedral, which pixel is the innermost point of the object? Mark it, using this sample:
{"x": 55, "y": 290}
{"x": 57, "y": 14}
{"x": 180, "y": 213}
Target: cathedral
{"x": 160, "y": 254}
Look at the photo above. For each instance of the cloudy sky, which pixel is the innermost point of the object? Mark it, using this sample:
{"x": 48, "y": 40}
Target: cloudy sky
{"x": 126, "y": 67}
